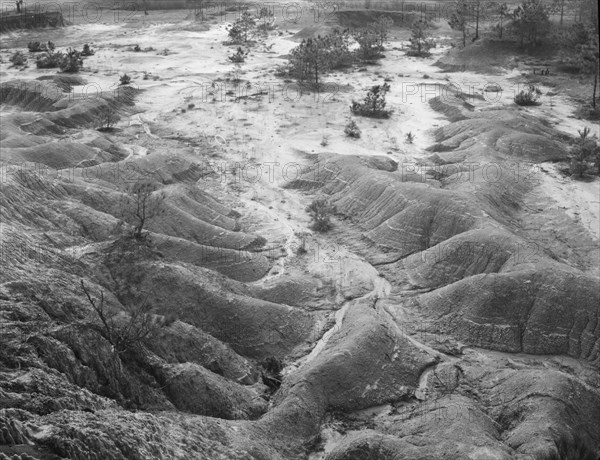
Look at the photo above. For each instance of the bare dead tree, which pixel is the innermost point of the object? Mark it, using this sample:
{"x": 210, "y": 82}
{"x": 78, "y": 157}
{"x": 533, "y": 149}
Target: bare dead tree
{"x": 122, "y": 334}
{"x": 143, "y": 203}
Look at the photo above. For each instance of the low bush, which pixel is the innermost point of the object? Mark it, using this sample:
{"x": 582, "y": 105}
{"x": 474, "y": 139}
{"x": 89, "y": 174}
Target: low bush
{"x": 124, "y": 79}
{"x": 36, "y": 47}
{"x": 528, "y": 97}
{"x": 320, "y": 212}
{"x": 108, "y": 119}
{"x": 87, "y": 51}
{"x": 373, "y": 105}
{"x": 239, "y": 56}
{"x": 71, "y": 61}
{"x": 50, "y": 60}
{"x": 18, "y": 59}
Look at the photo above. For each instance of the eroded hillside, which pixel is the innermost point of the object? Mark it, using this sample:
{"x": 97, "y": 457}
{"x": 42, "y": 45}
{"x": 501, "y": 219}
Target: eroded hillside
{"x": 453, "y": 310}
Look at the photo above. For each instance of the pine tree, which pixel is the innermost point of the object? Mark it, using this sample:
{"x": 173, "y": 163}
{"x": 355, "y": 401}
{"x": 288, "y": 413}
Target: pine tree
{"x": 530, "y": 20}
{"x": 311, "y": 58}
{"x": 459, "y": 19}
{"x": 242, "y": 28}
{"x": 502, "y": 13}
{"x": 420, "y": 43}
{"x": 580, "y": 49}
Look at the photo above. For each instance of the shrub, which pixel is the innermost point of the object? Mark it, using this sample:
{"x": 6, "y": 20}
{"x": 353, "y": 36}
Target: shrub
{"x": 49, "y": 60}
{"x": 374, "y": 103}
{"x": 528, "y": 97}
{"x": 352, "y": 130}
{"x": 241, "y": 30}
{"x": 71, "y": 62}
{"x": 36, "y": 47}
{"x": 18, "y": 59}
{"x": 410, "y": 137}
{"x": 271, "y": 373}
{"x": 124, "y": 79}
{"x": 108, "y": 119}
{"x": 320, "y": 212}
{"x": 87, "y": 51}
{"x": 239, "y": 56}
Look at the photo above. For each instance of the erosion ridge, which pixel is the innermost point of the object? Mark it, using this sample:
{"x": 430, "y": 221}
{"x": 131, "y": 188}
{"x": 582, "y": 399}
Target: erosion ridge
{"x": 439, "y": 318}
